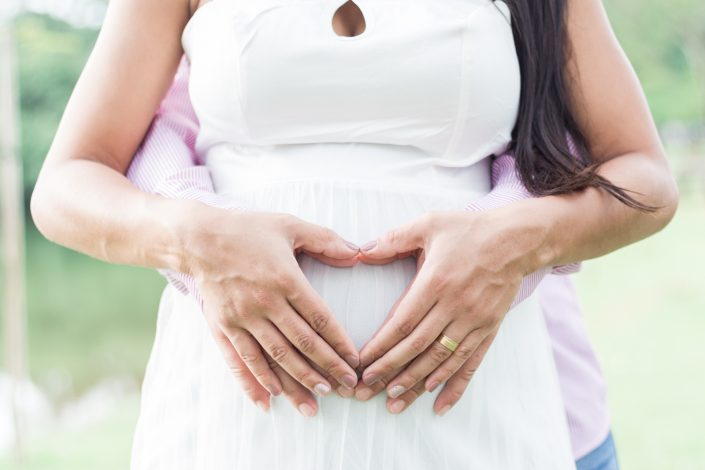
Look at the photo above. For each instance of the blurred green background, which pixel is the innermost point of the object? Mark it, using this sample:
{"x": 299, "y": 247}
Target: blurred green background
{"x": 91, "y": 324}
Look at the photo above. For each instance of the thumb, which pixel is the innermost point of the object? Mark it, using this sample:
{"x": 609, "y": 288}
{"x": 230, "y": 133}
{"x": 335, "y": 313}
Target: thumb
{"x": 325, "y": 244}
{"x": 401, "y": 242}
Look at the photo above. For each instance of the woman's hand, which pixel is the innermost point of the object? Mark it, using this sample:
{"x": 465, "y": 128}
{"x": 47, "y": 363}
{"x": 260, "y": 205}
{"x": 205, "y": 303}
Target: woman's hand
{"x": 470, "y": 268}
{"x": 298, "y": 395}
{"x": 255, "y": 294}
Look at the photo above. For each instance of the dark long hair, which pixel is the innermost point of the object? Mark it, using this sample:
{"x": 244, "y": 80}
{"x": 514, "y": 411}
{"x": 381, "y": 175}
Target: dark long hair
{"x": 545, "y": 127}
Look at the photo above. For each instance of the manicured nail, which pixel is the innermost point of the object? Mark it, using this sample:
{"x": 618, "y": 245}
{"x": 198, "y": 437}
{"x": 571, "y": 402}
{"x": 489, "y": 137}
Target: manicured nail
{"x": 364, "y": 394}
{"x": 443, "y": 410}
{"x": 369, "y": 246}
{"x": 307, "y": 410}
{"x": 432, "y": 386}
{"x": 396, "y": 390}
{"x": 349, "y": 381}
{"x": 262, "y": 406}
{"x": 322, "y": 389}
{"x": 273, "y": 389}
{"x": 370, "y": 379}
{"x": 397, "y": 406}
{"x": 353, "y": 360}
{"x": 351, "y": 245}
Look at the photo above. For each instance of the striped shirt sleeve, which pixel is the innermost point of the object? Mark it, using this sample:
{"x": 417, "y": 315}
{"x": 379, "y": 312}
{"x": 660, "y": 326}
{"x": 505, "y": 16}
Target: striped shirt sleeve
{"x": 508, "y": 188}
{"x": 166, "y": 163}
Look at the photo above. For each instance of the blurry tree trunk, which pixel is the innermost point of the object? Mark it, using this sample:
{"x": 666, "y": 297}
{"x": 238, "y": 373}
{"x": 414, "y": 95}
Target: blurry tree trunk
{"x": 12, "y": 231}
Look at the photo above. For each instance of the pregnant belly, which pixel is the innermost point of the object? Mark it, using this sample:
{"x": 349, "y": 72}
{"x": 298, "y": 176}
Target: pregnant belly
{"x": 360, "y": 296}
{"x": 491, "y": 427}
{"x": 360, "y": 191}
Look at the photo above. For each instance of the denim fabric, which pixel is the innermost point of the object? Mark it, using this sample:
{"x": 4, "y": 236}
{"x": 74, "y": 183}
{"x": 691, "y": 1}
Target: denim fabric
{"x": 604, "y": 457}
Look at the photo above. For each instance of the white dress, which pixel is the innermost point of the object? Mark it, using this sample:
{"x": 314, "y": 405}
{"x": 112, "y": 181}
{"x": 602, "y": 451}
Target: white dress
{"x": 360, "y": 134}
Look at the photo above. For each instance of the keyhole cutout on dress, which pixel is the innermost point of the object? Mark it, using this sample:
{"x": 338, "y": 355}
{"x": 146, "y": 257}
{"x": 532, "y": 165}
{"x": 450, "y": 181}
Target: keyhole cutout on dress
{"x": 348, "y": 20}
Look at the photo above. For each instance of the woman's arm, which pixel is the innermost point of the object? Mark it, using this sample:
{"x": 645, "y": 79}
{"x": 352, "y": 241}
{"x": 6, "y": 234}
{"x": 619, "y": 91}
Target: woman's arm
{"x": 509, "y": 242}
{"x": 244, "y": 261}
{"x": 74, "y": 201}
{"x": 612, "y": 111}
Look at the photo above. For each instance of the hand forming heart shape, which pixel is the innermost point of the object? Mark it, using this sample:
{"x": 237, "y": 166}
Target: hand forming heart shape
{"x": 450, "y": 295}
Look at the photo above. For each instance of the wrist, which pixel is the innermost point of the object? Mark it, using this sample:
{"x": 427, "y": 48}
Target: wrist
{"x": 183, "y": 223}
{"x": 530, "y": 226}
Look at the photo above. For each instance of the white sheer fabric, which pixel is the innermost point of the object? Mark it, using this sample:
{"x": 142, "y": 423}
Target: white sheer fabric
{"x": 194, "y": 414}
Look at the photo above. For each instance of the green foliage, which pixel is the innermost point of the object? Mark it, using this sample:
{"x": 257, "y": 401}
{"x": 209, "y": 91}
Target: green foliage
{"x": 88, "y": 320}
{"x": 51, "y": 56}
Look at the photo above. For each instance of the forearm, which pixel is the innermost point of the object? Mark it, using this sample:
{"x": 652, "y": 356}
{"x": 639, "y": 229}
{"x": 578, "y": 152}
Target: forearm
{"x": 565, "y": 228}
{"x": 507, "y": 188}
{"x": 91, "y": 208}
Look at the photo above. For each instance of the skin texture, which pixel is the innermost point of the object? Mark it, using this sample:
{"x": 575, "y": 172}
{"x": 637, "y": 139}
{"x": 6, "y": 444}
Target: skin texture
{"x": 262, "y": 301}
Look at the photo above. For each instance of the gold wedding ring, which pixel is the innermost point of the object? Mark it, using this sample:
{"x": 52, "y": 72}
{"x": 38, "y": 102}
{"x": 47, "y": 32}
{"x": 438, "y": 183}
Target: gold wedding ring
{"x": 452, "y": 345}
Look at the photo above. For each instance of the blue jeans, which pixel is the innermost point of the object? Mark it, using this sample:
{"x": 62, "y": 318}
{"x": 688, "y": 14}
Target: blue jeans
{"x": 604, "y": 457}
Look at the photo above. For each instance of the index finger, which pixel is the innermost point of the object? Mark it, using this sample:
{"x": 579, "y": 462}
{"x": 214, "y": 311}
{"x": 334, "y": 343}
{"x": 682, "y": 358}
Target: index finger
{"x": 410, "y": 310}
{"x": 308, "y": 303}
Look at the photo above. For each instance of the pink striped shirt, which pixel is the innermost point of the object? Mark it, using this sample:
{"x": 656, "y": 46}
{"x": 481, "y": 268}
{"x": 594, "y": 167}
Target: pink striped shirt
{"x": 167, "y": 164}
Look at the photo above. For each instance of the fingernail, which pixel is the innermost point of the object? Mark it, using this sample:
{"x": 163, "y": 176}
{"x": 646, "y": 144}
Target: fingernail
{"x": 369, "y": 245}
{"x": 307, "y": 410}
{"x": 351, "y": 245}
{"x": 273, "y": 389}
{"x": 261, "y": 405}
{"x": 369, "y": 379}
{"x": 443, "y": 410}
{"x": 396, "y": 390}
{"x": 353, "y": 360}
{"x": 397, "y": 406}
{"x": 364, "y": 394}
{"x": 321, "y": 389}
{"x": 345, "y": 392}
{"x": 432, "y": 386}
{"x": 349, "y": 381}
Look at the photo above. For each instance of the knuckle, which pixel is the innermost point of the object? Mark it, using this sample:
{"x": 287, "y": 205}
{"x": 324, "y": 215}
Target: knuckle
{"x": 439, "y": 353}
{"x": 282, "y": 279}
{"x": 464, "y": 351}
{"x": 279, "y": 352}
{"x": 227, "y": 320}
{"x": 467, "y": 373}
{"x": 405, "y": 327}
{"x": 418, "y": 345}
{"x": 414, "y": 393}
{"x": 236, "y": 370}
{"x": 319, "y": 322}
{"x": 410, "y": 378}
{"x": 445, "y": 373}
{"x": 249, "y": 358}
{"x": 306, "y": 377}
{"x": 305, "y": 343}
{"x": 332, "y": 370}
{"x": 275, "y": 368}
{"x": 438, "y": 280}
{"x": 385, "y": 369}
{"x": 262, "y": 298}
{"x": 382, "y": 383}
